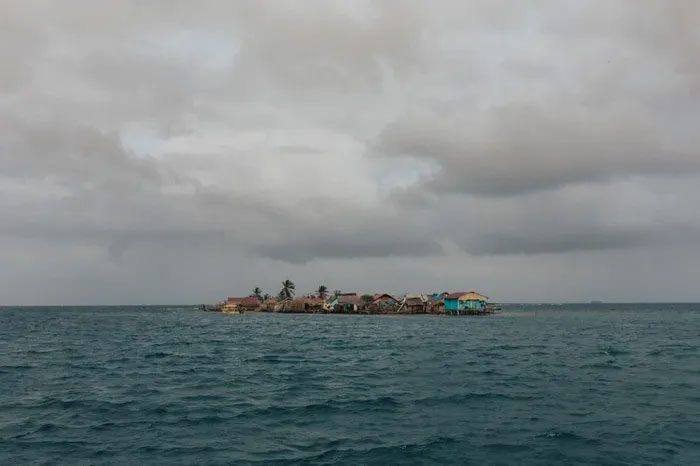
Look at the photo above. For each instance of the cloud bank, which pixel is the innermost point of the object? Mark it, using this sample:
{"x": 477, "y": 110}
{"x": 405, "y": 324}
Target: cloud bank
{"x": 171, "y": 152}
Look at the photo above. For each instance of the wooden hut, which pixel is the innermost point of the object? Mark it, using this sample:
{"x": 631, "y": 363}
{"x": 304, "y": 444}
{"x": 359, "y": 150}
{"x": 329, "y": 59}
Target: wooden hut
{"x": 383, "y": 304}
{"x": 269, "y": 305}
{"x": 250, "y": 303}
{"x": 295, "y": 305}
{"x": 232, "y": 305}
{"x": 384, "y": 299}
{"x": 314, "y": 304}
{"x": 283, "y": 305}
{"x": 414, "y": 304}
{"x": 436, "y": 303}
{"x": 347, "y": 303}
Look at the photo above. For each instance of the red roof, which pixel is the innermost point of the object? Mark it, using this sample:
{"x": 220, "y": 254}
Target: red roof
{"x": 234, "y": 300}
{"x": 250, "y": 301}
{"x": 383, "y": 297}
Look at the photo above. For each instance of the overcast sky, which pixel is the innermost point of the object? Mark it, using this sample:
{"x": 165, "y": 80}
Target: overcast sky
{"x": 180, "y": 151}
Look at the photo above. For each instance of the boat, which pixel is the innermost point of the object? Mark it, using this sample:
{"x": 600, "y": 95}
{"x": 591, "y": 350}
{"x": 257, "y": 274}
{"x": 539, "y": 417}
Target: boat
{"x": 204, "y": 307}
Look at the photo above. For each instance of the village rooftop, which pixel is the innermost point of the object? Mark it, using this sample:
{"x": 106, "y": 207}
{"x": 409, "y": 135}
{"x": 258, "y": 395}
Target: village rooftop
{"x": 324, "y": 302}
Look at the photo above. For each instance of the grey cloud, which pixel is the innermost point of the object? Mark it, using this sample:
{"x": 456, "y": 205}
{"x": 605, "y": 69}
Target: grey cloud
{"x": 367, "y": 241}
{"x": 330, "y": 47}
{"x": 522, "y": 148}
{"x": 19, "y": 46}
{"x": 618, "y": 216}
{"x": 121, "y": 200}
{"x": 165, "y": 151}
{"x": 300, "y": 150}
{"x": 555, "y": 241}
{"x": 551, "y": 237}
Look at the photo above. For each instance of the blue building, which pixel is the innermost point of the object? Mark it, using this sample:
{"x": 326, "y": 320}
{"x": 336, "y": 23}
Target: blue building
{"x": 465, "y": 302}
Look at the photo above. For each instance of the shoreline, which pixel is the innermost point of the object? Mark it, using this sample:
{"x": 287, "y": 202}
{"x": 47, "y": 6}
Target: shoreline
{"x": 488, "y": 312}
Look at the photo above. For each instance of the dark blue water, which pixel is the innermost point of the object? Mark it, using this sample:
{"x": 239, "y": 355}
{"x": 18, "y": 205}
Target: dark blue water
{"x": 533, "y": 385}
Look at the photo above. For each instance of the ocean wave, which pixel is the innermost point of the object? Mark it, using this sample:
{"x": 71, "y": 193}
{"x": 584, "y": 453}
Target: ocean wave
{"x": 613, "y": 351}
{"x": 158, "y": 355}
{"x": 499, "y": 447}
{"x": 384, "y": 454}
{"x": 178, "y": 388}
{"x": 381, "y": 404}
{"x": 567, "y": 436}
{"x": 459, "y": 398}
{"x": 12, "y": 367}
{"x": 601, "y": 365}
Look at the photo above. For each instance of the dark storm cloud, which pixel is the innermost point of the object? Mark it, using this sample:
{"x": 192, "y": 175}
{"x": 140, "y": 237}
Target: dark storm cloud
{"x": 622, "y": 215}
{"x": 521, "y": 148}
{"x": 544, "y": 224}
{"x": 556, "y": 241}
{"x": 356, "y": 241}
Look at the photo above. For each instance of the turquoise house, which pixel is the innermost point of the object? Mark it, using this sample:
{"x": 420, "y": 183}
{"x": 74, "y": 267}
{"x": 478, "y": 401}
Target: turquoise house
{"x": 465, "y": 302}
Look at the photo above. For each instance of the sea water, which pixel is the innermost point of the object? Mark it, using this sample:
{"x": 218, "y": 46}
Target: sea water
{"x": 567, "y": 384}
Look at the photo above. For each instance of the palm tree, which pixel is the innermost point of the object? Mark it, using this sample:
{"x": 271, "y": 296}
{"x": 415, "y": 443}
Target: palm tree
{"x": 287, "y": 291}
{"x": 322, "y": 291}
{"x": 266, "y": 296}
{"x": 257, "y": 292}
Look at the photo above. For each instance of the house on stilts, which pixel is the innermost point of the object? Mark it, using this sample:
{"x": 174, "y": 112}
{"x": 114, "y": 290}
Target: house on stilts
{"x": 466, "y": 302}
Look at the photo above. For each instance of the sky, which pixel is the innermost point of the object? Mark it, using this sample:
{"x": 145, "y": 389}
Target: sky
{"x": 169, "y": 151}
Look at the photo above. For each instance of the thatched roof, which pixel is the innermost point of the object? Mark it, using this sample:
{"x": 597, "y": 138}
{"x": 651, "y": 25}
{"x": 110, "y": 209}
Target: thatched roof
{"x": 383, "y": 297}
{"x": 314, "y": 301}
{"x": 250, "y": 301}
{"x": 467, "y": 296}
{"x": 422, "y": 297}
{"x": 414, "y": 301}
{"x": 350, "y": 299}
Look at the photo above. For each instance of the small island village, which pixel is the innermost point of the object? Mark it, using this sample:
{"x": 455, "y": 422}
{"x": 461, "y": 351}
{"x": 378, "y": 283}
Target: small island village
{"x": 323, "y": 301}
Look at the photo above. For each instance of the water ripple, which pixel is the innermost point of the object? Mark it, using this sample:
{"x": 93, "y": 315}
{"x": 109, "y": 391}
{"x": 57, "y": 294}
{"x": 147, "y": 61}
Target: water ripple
{"x": 533, "y": 385}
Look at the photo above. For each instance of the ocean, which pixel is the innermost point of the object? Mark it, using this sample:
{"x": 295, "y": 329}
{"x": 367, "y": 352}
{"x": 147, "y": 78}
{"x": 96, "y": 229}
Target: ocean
{"x": 534, "y": 384}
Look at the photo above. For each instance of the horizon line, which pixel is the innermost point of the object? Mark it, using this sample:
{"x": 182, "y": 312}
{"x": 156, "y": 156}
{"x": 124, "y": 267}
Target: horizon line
{"x": 556, "y": 303}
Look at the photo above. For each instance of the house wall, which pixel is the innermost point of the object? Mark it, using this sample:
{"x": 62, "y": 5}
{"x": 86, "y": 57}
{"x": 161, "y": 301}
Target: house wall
{"x": 474, "y": 305}
{"x": 470, "y": 305}
{"x": 452, "y": 305}
{"x": 347, "y": 307}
